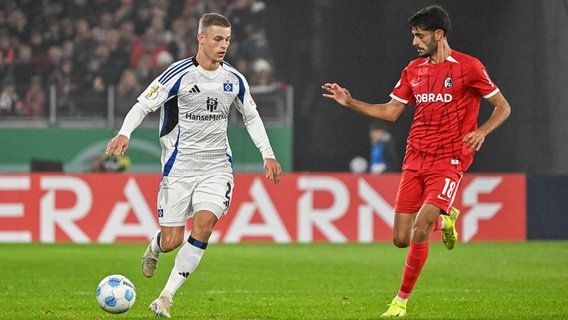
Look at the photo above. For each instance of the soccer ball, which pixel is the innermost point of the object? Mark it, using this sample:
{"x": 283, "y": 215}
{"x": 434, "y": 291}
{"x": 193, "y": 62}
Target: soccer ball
{"x": 116, "y": 294}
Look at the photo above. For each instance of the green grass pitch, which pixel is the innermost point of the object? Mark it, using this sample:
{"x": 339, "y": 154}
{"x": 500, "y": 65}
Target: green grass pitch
{"x": 293, "y": 281}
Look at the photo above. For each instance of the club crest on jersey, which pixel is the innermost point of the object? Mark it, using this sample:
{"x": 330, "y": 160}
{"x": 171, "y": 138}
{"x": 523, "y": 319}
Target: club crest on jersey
{"x": 448, "y": 83}
{"x": 153, "y": 93}
{"x": 228, "y": 87}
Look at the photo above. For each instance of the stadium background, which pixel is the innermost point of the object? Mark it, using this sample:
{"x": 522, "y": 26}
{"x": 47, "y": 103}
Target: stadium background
{"x": 362, "y": 45}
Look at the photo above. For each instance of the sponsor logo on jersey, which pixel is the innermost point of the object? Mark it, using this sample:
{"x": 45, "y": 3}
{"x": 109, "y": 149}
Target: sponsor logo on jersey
{"x": 212, "y": 104}
{"x": 416, "y": 82}
{"x": 228, "y": 87}
{"x": 153, "y": 93}
{"x": 448, "y": 83}
{"x": 205, "y": 117}
{"x": 433, "y": 97}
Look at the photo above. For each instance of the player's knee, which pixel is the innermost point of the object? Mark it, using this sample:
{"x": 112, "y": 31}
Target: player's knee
{"x": 420, "y": 235}
{"x": 401, "y": 243}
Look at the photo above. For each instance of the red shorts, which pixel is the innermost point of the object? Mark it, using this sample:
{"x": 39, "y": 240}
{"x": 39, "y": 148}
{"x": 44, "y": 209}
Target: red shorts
{"x": 434, "y": 187}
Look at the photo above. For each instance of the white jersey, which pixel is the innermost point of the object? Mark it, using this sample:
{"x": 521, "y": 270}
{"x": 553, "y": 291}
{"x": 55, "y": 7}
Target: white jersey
{"x": 195, "y": 105}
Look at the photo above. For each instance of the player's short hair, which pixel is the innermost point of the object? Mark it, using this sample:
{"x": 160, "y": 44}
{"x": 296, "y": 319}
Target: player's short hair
{"x": 212, "y": 19}
{"x": 431, "y": 18}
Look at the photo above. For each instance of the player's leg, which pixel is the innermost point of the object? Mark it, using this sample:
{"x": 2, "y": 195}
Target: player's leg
{"x": 164, "y": 240}
{"x": 409, "y": 199}
{"x": 415, "y": 259}
{"x": 173, "y": 202}
{"x": 402, "y": 229}
{"x": 447, "y": 183}
{"x": 186, "y": 261}
{"x": 190, "y": 254}
{"x": 210, "y": 201}
{"x": 439, "y": 193}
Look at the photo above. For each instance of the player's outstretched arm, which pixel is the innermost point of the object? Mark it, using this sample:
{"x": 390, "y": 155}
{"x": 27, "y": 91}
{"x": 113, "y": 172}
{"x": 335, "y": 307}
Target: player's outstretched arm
{"x": 272, "y": 170}
{"x": 389, "y": 111}
{"x": 117, "y": 145}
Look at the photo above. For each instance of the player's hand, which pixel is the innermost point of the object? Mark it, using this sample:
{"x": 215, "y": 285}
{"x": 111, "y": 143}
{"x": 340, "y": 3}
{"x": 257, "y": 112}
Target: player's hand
{"x": 117, "y": 145}
{"x": 473, "y": 140}
{"x": 272, "y": 170}
{"x": 337, "y": 93}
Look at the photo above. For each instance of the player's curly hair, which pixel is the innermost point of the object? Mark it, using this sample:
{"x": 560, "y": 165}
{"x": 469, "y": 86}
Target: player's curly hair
{"x": 430, "y": 19}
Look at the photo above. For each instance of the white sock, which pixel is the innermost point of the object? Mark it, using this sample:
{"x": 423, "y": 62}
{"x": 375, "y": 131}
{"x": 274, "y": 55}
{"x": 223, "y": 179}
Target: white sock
{"x": 400, "y": 299}
{"x": 187, "y": 260}
{"x": 155, "y": 244}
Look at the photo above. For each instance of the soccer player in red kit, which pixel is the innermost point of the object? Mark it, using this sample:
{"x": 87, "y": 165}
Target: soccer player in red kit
{"x": 445, "y": 86}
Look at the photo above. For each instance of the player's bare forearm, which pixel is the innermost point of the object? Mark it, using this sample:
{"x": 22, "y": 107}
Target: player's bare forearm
{"x": 474, "y": 140}
{"x": 500, "y": 113}
{"x": 390, "y": 111}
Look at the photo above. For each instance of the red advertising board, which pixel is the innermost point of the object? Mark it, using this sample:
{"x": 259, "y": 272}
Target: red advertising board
{"x": 304, "y": 207}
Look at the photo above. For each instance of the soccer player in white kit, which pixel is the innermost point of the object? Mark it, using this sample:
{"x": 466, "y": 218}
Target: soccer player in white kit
{"x": 194, "y": 97}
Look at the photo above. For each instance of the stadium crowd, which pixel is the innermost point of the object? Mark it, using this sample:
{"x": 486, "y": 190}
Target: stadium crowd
{"x": 82, "y": 47}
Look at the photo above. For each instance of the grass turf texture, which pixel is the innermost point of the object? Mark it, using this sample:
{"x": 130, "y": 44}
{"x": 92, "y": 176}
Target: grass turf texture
{"x": 293, "y": 281}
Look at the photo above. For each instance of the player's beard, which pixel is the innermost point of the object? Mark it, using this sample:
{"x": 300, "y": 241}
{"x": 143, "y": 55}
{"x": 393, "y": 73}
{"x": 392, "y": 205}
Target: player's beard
{"x": 429, "y": 51}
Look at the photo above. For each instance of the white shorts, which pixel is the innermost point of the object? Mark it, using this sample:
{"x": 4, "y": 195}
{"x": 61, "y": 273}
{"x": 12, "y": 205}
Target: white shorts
{"x": 179, "y": 198}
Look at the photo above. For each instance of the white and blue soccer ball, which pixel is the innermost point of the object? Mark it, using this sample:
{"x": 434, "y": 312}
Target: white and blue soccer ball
{"x": 116, "y": 294}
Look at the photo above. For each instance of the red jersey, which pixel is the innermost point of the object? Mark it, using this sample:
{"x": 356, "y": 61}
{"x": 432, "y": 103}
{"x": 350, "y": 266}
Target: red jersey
{"x": 447, "y": 97}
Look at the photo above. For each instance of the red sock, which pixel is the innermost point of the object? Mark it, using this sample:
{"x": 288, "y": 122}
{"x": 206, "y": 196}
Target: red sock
{"x": 415, "y": 260}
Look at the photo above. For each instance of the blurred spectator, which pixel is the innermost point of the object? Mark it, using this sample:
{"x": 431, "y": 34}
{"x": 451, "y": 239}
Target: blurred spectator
{"x": 6, "y": 70}
{"x": 261, "y": 75}
{"x": 144, "y": 71}
{"x": 17, "y": 23}
{"x": 95, "y": 102}
{"x": 148, "y": 44}
{"x": 142, "y": 17}
{"x": 71, "y": 43}
{"x": 119, "y": 54}
{"x": 254, "y": 46}
{"x": 65, "y": 84}
{"x": 110, "y": 163}
{"x": 39, "y": 49}
{"x": 96, "y": 164}
{"x": 9, "y": 100}
{"x": 24, "y": 69}
{"x": 7, "y": 48}
{"x": 84, "y": 42}
{"x": 383, "y": 155}
{"x": 244, "y": 13}
{"x": 163, "y": 61}
{"x": 127, "y": 35}
{"x": 127, "y": 92}
{"x": 182, "y": 45}
{"x": 34, "y": 102}
{"x": 104, "y": 26}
